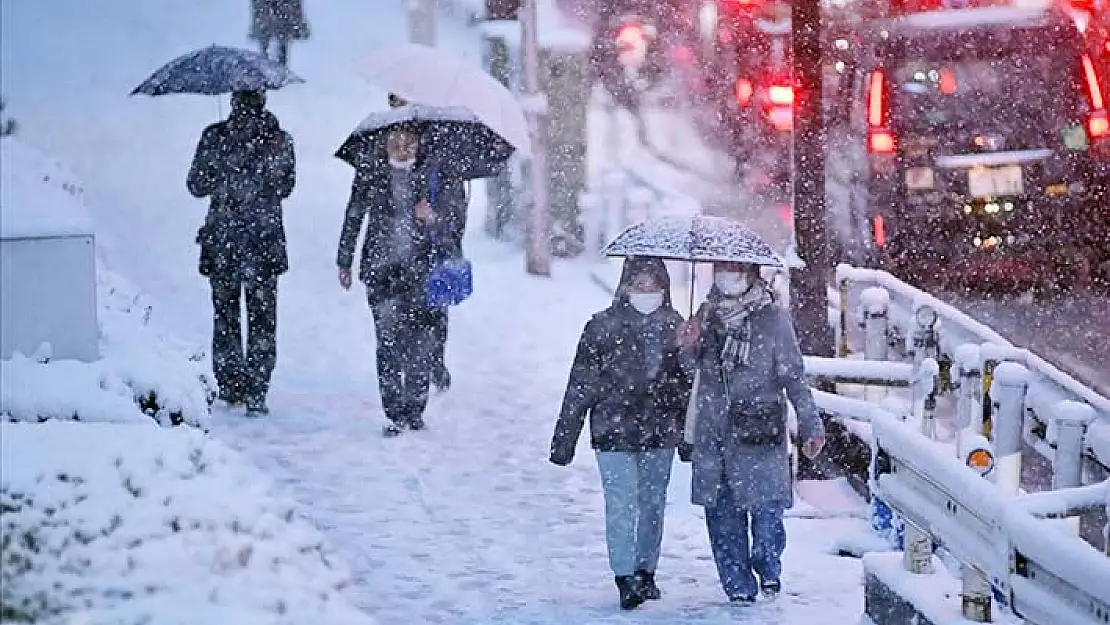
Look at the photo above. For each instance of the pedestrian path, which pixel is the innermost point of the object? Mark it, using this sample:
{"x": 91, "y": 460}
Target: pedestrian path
{"x": 467, "y": 522}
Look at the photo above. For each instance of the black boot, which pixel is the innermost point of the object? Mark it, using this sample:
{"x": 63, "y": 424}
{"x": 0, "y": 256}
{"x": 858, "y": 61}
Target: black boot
{"x": 647, "y": 585}
{"x": 256, "y": 406}
{"x": 629, "y": 589}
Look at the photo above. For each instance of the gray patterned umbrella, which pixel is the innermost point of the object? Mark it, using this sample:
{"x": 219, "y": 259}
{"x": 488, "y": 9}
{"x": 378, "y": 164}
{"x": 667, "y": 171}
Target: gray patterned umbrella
{"x": 216, "y": 70}
{"x": 695, "y": 239}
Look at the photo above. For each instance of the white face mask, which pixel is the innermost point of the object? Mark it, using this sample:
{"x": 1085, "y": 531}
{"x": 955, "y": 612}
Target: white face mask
{"x": 645, "y": 303}
{"x": 405, "y": 164}
{"x": 732, "y": 283}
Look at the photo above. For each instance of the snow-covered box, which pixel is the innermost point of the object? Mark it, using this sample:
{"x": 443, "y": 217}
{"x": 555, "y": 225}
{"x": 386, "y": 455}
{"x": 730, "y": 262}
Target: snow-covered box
{"x": 47, "y": 259}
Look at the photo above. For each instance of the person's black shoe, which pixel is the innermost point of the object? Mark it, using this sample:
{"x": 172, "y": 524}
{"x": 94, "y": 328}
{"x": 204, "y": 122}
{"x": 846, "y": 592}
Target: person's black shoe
{"x": 742, "y": 600}
{"x": 648, "y": 588}
{"x": 230, "y": 395}
{"x": 629, "y": 590}
{"x": 771, "y": 587}
{"x": 441, "y": 378}
{"x": 417, "y": 423}
{"x": 256, "y": 406}
{"x": 392, "y": 430}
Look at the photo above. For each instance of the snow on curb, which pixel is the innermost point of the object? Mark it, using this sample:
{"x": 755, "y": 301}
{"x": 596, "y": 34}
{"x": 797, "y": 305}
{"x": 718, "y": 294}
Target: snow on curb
{"x": 141, "y": 375}
{"x": 113, "y": 523}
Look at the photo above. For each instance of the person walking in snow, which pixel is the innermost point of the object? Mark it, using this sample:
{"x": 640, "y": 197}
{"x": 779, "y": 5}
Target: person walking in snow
{"x": 627, "y": 377}
{"x": 452, "y": 197}
{"x": 246, "y": 166}
{"x": 748, "y": 359}
{"x": 280, "y": 20}
{"x": 389, "y": 194}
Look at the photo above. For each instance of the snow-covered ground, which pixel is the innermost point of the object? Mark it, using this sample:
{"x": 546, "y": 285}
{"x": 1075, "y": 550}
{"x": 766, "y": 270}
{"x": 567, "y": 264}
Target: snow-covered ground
{"x": 463, "y": 523}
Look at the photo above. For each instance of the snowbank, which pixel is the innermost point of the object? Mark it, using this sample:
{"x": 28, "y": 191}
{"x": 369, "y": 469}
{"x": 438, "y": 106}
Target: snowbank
{"x": 38, "y": 197}
{"x": 133, "y": 523}
{"x": 141, "y": 375}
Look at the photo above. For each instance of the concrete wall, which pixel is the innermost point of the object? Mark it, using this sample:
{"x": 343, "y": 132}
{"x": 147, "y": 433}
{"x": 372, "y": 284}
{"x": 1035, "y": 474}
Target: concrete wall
{"x": 48, "y": 295}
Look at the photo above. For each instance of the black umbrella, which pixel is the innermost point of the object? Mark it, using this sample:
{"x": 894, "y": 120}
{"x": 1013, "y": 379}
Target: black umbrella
{"x": 216, "y": 70}
{"x": 454, "y": 136}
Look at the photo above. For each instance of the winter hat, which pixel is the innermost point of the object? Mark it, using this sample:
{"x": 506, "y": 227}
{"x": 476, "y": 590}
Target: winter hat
{"x": 637, "y": 265}
{"x": 248, "y": 100}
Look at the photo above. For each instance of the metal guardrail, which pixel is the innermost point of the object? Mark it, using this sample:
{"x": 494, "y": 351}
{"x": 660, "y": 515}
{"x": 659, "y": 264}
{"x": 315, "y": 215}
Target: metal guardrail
{"x": 897, "y": 311}
{"x": 1045, "y": 575}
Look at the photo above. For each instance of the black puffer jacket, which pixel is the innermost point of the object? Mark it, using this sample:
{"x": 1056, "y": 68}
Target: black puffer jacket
{"x": 629, "y": 410}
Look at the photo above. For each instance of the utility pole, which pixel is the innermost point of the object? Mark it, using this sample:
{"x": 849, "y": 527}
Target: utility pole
{"x": 500, "y": 200}
{"x": 810, "y": 298}
{"x": 422, "y": 22}
{"x": 538, "y": 253}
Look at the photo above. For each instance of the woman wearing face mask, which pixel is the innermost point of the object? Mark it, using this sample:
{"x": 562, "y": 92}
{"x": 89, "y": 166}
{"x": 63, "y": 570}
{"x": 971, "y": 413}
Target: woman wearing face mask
{"x": 627, "y": 377}
{"x": 749, "y": 364}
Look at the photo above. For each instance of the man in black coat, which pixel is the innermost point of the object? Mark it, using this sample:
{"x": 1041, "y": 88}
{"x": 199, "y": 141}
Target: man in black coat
{"x": 390, "y": 195}
{"x": 246, "y": 166}
{"x": 453, "y": 200}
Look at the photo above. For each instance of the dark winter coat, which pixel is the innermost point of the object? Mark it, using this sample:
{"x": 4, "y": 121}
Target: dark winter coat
{"x": 246, "y": 166}
{"x": 278, "y": 18}
{"x": 732, "y": 404}
{"x": 386, "y": 271}
{"x": 609, "y": 380}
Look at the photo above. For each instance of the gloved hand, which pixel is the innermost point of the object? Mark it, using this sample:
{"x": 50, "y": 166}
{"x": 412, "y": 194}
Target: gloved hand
{"x": 685, "y": 451}
{"x": 561, "y": 457}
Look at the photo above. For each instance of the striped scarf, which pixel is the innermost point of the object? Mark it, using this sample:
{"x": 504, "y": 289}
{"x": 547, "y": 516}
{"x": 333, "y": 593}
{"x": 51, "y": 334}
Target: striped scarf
{"x": 735, "y": 315}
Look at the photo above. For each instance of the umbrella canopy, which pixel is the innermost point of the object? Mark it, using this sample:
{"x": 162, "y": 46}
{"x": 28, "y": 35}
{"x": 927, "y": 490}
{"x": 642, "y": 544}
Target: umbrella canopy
{"x": 216, "y": 70}
{"x": 455, "y": 136}
{"x": 428, "y": 75}
{"x": 695, "y": 239}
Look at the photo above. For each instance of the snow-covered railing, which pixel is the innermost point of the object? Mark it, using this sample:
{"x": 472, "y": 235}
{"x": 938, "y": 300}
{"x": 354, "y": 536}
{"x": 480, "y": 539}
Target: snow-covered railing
{"x": 894, "y": 312}
{"x": 1005, "y": 546}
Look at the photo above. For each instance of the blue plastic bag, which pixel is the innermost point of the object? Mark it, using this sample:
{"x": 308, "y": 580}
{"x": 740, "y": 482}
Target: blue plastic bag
{"x": 451, "y": 280}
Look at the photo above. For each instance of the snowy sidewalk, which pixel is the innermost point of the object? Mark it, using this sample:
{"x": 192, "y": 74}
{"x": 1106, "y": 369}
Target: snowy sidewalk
{"x": 466, "y": 522}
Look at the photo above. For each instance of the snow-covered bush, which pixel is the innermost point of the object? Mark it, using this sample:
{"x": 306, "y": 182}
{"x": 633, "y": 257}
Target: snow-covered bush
{"x": 121, "y": 524}
{"x": 141, "y": 375}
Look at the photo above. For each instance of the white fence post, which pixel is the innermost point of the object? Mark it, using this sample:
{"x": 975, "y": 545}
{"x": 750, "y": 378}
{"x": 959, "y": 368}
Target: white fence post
{"x": 976, "y": 595}
{"x": 876, "y": 303}
{"x": 1008, "y": 388}
{"x": 1072, "y": 419}
{"x": 969, "y": 409}
{"x": 925, "y": 390}
{"x": 876, "y": 323}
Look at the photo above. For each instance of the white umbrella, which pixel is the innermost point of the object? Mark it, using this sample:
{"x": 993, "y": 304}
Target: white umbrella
{"x": 427, "y": 75}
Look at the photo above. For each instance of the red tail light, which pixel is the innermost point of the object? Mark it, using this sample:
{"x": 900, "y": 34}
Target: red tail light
{"x": 878, "y": 230}
{"x": 1097, "y": 124}
{"x": 880, "y": 140}
{"x": 744, "y": 91}
{"x": 782, "y": 95}
{"x": 782, "y": 118}
{"x": 630, "y": 34}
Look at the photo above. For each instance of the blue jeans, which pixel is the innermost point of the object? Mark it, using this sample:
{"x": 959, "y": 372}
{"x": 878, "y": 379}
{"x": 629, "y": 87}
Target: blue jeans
{"x": 738, "y": 558}
{"x": 635, "y": 487}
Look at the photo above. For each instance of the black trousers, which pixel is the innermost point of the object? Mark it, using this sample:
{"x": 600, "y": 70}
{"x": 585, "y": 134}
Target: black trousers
{"x": 407, "y": 340}
{"x": 440, "y": 337}
{"x": 244, "y": 372}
